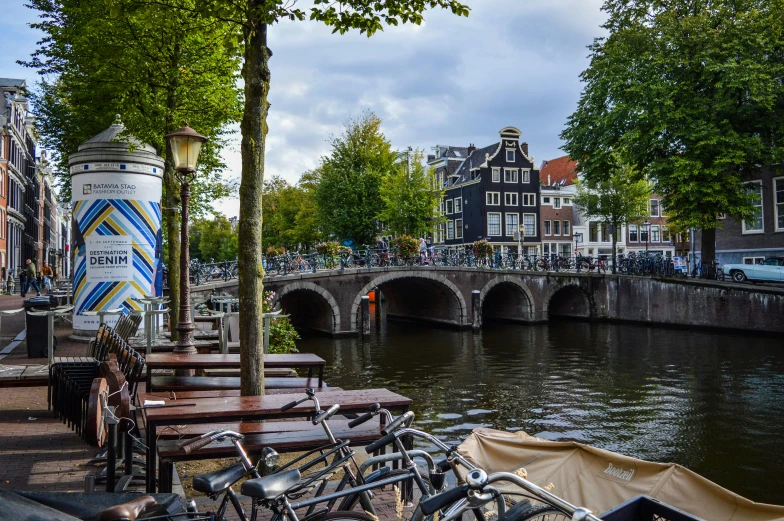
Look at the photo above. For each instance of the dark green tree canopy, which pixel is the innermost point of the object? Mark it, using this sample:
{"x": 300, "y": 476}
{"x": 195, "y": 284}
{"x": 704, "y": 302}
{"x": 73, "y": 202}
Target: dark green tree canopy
{"x": 692, "y": 91}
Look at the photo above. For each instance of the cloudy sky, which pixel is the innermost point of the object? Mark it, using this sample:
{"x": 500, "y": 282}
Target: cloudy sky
{"x": 450, "y": 81}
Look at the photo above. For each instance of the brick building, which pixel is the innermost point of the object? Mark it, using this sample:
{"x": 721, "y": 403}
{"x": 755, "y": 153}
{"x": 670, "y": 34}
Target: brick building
{"x": 490, "y": 193}
{"x": 557, "y": 178}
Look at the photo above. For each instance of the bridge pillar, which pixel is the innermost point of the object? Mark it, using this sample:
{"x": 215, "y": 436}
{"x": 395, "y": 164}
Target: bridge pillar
{"x": 365, "y": 315}
{"x": 476, "y": 310}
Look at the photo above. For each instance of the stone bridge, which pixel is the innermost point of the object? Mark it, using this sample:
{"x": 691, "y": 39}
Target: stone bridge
{"x": 331, "y": 301}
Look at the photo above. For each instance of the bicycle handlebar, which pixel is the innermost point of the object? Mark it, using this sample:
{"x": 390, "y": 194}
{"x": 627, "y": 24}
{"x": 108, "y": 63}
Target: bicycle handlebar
{"x": 365, "y": 417}
{"x": 444, "y": 499}
{"x": 323, "y": 415}
{"x": 191, "y": 445}
{"x": 293, "y": 404}
{"x": 397, "y": 422}
{"x": 386, "y": 440}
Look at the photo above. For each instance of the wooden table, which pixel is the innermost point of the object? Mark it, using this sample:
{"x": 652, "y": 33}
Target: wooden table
{"x": 200, "y": 361}
{"x": 227, "y": 409}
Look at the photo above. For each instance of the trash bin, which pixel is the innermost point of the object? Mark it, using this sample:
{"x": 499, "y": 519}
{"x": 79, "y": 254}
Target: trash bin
{"x": 37, "y": 327}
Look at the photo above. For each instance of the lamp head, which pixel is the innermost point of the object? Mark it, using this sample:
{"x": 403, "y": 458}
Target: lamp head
{"x": 185, "y": 145}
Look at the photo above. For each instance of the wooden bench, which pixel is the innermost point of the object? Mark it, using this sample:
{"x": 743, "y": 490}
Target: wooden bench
{"x": 227, "y": 361}
{"x": 172, "y": 397}
{"x": 223, "y": 383}
{"x": 283, "y": 436}
{"x": 248, "y": 408}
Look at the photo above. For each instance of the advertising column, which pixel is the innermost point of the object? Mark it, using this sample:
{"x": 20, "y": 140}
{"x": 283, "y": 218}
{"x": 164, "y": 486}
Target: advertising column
{"x": 117, "y": 217}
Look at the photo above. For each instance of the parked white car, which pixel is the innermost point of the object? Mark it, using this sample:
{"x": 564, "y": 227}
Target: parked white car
{"x": 771, "y": 269}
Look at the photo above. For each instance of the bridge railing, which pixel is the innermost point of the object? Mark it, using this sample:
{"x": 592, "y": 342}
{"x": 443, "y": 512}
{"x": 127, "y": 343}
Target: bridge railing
{"x": 640, "y": 264}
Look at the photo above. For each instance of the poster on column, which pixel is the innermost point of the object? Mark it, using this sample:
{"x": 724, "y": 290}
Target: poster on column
{"x": 109, "y": 258}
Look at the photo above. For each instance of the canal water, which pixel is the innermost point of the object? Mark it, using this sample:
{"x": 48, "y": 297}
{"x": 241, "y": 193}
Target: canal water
{"x": 711, "y": 401}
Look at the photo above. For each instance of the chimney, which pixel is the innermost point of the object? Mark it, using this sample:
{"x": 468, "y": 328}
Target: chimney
{"x": 524, "y": 146}
{"x": 471, "y": 148}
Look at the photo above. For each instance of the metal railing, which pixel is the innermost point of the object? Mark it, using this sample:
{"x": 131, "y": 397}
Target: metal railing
{"x": 639, "y": 264}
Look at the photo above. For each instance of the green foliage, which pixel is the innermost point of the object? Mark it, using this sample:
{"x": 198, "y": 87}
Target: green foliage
{"x": 617, "y": 198}
{"x": 274, "y": 251}
{"x": 289, "y": 213}
{"x": 213, "y": 240}
{"x": 153, "y": 67}
{"x": 483, "y": 249}
{"x": 692, "y": 92}
{"x": 283, "y": 336}
{"x": 407, "y": 246}
{"x": 411, "y": 197}
{"x": 348, "y": 196}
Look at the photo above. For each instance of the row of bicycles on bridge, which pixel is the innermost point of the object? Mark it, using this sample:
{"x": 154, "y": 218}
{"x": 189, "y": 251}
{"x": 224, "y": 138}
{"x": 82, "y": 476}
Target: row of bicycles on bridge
{"x": 406, "y": 484}
{"x": 294, "y": 262}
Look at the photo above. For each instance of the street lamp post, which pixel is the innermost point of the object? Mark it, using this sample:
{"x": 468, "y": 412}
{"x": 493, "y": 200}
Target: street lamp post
{"x": 184, "y": 146}
{"x": 647, "y": 225}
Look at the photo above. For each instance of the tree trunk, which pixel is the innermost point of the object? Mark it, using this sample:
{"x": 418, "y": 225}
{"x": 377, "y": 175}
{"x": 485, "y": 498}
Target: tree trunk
{"x": 256, "y": 74}
{"x": 172, "y": 223}
{"x": 708, "y": 245}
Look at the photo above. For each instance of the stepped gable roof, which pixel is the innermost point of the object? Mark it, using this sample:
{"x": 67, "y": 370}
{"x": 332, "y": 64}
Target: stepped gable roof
{"x": 561, "y": 168}
{"x": 11, "y": 82}
{"x": 474, "y": 160}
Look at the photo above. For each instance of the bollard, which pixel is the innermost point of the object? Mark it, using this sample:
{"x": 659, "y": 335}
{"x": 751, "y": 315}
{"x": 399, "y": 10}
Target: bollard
{"x": 476, "y": 309}
{"x": 89, "y": 483}
{"x": 377, "y": 292}
{"x": 365, "y": 315}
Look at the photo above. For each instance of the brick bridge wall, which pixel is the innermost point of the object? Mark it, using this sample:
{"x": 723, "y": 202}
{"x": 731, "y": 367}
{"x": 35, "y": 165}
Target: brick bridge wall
{"x": 330, "y": 301}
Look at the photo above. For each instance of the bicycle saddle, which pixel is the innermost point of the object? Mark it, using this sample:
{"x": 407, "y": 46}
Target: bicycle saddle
{"x": 272, "y": 486}
{"x": 219, "y": 480}
{"x": 127, "y": 511}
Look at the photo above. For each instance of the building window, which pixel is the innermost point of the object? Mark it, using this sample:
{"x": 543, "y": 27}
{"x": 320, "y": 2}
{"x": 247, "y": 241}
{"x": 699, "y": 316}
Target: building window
{"x": 493, "y": 198}
{"x": 655, "y": 234}
{"x": 556, "y": 227}
{"x": 450, "y": 230}
{"x": 529, "y": 199}
{"x": 566, "y": 227}
{"x": 448, "y": 206}
{"x": 548, "y": 228}
{"x": 566, "y": 200}
{"x": 458, "y": 228}
{"x": 529, "y": 222}
{"x": 556, "y": 202}
{"x": 632, "y": 233}
{"x": 593, "y": 232}
{"x": 654, "y": 208}
{"x": 526, "y": 176}
{"x": 494, "y": 224}
{"x": 510, "y": 198}
{"x": 665, "y": 234}
{"x": 512, "y": 224}
{"x": 510, "y": 156}
{"x": 510, "y": 175}
{"x": 644, "y": 233}
{"x": 753, "y": 260}
{"x": 754, "y": 224}
{"x": 604, "y": 233}
{"x": 458, "y": 205}
{"x": 496, "y": 175}
{"x": 778, "y": 199}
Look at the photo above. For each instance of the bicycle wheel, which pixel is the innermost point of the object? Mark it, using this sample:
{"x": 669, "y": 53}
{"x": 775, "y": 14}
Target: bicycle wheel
{"x": 339, "y": 515}
{"x": 539, "y": 513}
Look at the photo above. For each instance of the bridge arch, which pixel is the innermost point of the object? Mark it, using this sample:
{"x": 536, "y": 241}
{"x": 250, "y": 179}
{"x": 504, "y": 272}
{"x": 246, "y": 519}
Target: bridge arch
{"x": 434, "y": 281}
{"x": 310, "y": 306}
{"x": 570, "y": 300}
{"x": 510, "y": 299}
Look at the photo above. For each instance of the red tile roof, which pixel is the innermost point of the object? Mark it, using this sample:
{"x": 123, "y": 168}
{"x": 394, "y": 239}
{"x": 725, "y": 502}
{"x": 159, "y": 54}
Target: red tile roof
{"x": 558, "y": 169}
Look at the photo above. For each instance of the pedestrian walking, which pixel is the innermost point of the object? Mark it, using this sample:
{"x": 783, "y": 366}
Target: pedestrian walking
{"x": 47, "y": 273}
{"x": 22, "y": 281}
{"x": 31, "y": 275}
{"x": 422, "y": 249}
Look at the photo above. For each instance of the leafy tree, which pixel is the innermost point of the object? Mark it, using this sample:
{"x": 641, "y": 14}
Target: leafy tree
{"x": 156, "y": 69}
{"x": 216, "y": 239}
{"x": 617, "y": 199}
{"x": 252, "y": 19}
{"x": 348, "y": 196}
{"x": 411, "y": 198}
{"x": 692, "y": 90}
{"x": 289, "y": 215}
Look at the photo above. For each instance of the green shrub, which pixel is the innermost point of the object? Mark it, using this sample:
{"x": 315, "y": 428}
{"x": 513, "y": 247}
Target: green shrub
{"x": 283, "y": 336}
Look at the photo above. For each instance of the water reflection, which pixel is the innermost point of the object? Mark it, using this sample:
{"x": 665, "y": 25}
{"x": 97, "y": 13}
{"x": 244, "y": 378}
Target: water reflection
{"x": 713, "y": 402}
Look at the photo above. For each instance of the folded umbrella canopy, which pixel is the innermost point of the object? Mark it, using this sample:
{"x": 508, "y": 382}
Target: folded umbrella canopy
{"x": 600, "y": 479}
